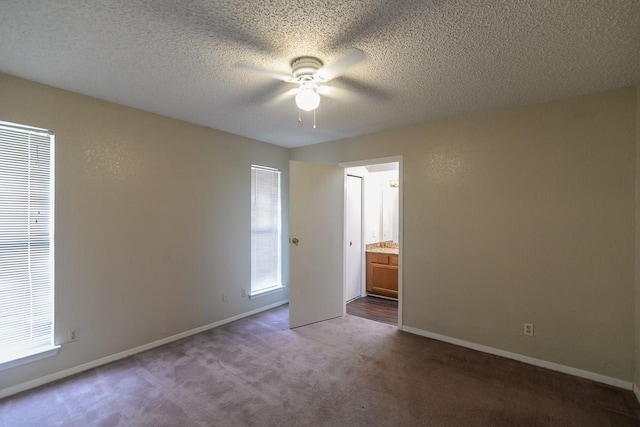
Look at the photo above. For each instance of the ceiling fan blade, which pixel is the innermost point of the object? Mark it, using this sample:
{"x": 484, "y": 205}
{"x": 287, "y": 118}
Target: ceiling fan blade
{"x": 331, "y": 71}
{"x": 364, "y": 88}
{"x": 284, "y": 96}
{"x": 273, "y": 74}
{"x": 261, "y": 95}
{"x": 337, "y": 93}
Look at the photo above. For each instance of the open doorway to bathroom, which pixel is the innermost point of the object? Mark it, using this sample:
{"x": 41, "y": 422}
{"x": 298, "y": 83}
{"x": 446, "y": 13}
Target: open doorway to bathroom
{"x": 373, "y": 234}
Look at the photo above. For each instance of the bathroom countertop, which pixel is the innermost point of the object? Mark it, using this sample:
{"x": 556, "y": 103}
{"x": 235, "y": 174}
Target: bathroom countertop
{"x": 392, "y": 251}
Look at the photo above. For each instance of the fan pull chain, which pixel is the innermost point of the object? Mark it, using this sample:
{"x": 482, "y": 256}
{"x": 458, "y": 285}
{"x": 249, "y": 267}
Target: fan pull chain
{"x": 314, "y": 117}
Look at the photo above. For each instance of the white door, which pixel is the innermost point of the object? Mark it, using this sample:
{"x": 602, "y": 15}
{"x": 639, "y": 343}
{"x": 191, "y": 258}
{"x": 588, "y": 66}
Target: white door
{"x": 316, "y": 194}
{"x": 353, "y": 285}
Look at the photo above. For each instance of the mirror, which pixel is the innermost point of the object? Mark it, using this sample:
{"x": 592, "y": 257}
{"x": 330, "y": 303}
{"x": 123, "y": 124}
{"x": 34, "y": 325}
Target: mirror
{"x": 381, "y": 202}
{"x": 390, "y": 211}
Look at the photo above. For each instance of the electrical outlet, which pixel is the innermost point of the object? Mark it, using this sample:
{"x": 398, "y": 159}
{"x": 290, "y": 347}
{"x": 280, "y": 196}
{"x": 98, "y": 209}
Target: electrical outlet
{"x": 225, "y": 297}
{"x": 72, "y": 334}
{"x": 243, "y": 292}
{"x": 528, "y": 329}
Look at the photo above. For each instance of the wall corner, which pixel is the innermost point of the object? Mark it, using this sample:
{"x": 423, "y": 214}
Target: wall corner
{"x": 636, "y": 375}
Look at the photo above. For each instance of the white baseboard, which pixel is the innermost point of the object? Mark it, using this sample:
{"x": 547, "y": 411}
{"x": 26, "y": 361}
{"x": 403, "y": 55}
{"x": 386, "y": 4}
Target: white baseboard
{"x": 636, "y": 391}
{"x": 526, "y": 359}
{"x": 95, "y": 363}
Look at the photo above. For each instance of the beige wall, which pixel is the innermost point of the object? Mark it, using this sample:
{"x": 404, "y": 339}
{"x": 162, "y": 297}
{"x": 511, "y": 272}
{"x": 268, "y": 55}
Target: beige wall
{"x": 152, "y": 222}
{"x": 523, "y": 215}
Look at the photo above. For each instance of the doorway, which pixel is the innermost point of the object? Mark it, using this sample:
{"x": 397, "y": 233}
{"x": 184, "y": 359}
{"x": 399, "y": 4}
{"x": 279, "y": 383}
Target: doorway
{"x": 354, "y": 249}
{"x": 373, "y": 279}
{"x": 318, "y": 226}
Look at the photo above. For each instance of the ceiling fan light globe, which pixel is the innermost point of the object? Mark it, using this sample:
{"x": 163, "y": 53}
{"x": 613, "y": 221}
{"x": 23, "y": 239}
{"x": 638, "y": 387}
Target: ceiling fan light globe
{"x": 307, "y": 100}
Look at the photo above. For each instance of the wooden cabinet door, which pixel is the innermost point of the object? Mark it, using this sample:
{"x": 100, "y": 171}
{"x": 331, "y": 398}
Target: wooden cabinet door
{"x": 382, "y": 274}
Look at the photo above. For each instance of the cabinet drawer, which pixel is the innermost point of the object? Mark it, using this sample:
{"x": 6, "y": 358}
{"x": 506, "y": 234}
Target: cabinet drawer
{"x": 378, "y": 258}
{"x": 393, "y": 259}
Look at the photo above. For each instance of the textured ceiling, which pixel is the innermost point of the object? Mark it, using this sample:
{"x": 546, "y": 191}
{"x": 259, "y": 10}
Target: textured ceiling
{"x": 426, "y": 60}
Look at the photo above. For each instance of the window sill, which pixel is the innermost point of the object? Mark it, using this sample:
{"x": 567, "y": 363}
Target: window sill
{"x": 41, "y": 353}
{"x": 265, "y": 292}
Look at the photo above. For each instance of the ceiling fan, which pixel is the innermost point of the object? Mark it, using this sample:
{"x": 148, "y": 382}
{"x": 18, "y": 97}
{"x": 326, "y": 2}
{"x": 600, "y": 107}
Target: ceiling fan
{"x": 217, "y": 20}
{"x": 310, "y": 75}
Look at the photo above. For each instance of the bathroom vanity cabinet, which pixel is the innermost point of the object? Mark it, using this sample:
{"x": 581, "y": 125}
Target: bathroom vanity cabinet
{"x": 382, "y": 274}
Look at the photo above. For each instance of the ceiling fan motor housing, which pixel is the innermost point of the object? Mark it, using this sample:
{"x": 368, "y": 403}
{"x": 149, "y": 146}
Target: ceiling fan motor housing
{"x": 305, "y": 66}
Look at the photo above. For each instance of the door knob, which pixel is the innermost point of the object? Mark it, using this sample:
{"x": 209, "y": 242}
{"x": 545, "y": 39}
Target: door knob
{"x": 350, "y": 243}
{"x": 295, "y": 241}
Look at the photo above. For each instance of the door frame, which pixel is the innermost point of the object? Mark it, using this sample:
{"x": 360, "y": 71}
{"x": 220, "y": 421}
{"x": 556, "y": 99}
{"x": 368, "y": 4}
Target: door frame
{"x": 369, "y": 162}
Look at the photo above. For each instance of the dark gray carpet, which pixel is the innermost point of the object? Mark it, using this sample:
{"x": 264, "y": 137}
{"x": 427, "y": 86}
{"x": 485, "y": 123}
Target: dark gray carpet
{"x": 343, "y": 372}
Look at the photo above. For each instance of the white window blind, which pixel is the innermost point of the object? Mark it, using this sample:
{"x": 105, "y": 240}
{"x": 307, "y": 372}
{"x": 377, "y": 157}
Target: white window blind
{"x": 266, "y": 233}
{"x": 26, "y": 247}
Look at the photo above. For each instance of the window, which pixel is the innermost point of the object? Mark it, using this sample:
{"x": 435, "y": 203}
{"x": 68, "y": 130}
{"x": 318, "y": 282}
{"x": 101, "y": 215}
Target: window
{"x": 26, "y": 243}
{"x": 266, "y": 230}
